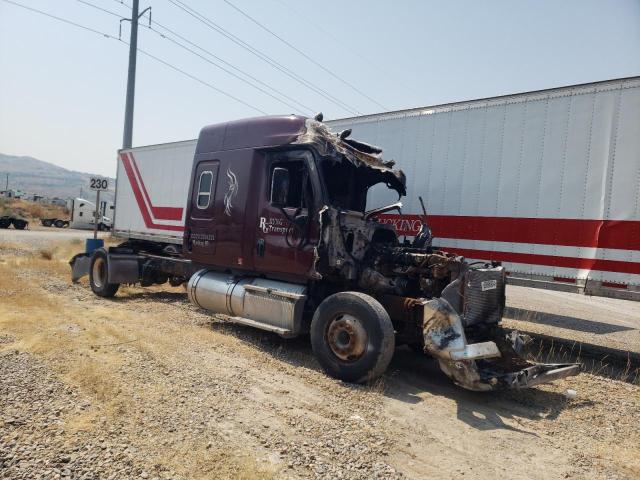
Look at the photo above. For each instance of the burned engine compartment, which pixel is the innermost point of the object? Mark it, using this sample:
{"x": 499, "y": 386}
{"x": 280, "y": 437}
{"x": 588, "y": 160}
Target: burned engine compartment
{"x": 436, "y": 300}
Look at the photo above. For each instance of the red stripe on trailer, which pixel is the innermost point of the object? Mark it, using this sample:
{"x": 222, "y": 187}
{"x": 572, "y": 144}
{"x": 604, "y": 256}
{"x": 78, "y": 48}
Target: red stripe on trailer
{"x": 564, "y": 279}
{"x": 549, "y": 260}
{"x": 621, "y": 234}
{"x": 137, "y": 193}
{"x": 614, "y": 285}
{"x": 159, "y": 213}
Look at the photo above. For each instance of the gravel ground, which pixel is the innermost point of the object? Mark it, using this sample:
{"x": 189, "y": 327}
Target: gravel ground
{"x": 147, "y": 386}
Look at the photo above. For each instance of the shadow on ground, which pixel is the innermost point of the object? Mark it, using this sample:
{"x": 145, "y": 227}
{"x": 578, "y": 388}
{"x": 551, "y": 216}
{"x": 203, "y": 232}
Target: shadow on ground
{"x": 412, "y": 378}
{"x": 563, "y": 321}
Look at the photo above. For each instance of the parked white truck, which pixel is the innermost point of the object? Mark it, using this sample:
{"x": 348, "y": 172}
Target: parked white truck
{"x": 546, "y": 182}
{"x": 83, "y": 214}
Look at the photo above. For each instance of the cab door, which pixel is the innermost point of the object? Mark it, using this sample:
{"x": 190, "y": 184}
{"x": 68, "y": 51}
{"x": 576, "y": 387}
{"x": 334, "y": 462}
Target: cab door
{"x": 287, "y": 229}
{"x": 201, "y": 233}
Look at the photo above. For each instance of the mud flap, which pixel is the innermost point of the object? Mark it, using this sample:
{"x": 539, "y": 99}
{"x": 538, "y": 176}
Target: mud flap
{"x": 80, "y": 265}
{"x": 493, "y": 364}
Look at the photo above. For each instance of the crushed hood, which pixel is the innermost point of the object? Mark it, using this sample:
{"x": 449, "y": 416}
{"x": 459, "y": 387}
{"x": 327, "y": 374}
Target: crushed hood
{"x": 358, "y": 153}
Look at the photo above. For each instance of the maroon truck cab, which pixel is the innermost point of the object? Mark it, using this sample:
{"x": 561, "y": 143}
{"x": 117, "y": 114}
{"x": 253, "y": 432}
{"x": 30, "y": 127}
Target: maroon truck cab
{"x": 231, "y": 223}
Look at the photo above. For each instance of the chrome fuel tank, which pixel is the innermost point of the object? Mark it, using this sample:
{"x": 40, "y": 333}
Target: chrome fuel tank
{"x": 259, "y": 302}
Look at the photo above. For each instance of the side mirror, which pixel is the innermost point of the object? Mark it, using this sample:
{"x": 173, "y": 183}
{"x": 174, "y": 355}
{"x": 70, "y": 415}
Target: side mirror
{"x": 279, "y": 187}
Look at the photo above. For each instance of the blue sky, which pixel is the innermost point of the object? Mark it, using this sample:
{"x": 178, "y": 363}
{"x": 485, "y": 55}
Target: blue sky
{"x": 62, "y": 89}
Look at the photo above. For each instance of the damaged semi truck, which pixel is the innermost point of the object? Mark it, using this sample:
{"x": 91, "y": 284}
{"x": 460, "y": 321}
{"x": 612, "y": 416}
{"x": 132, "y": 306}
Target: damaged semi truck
{"x": 267, "y": 222}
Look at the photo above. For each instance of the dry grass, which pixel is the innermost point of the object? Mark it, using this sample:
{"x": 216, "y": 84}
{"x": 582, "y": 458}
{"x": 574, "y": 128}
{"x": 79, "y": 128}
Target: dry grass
{"x": 31, "y": 210}
{"x": 84, "y": 345}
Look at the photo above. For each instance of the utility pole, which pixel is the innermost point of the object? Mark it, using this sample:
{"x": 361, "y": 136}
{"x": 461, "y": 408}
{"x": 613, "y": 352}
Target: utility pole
{"x": 127, "y": 137}
{"x": 6, "y": 187}
{"x": 131, "y": 77}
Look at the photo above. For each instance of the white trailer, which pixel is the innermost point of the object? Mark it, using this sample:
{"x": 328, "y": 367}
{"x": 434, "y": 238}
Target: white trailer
{"x": 548, "y": 182}
{"x": 152, "y": 187}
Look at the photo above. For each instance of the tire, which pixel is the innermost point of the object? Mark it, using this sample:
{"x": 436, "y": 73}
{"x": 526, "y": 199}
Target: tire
{"x": 59, "y": 223}
{"x": 20, "y": 224}
{"x": 5, "y": 222}
{"x": 352, "y": 337}
{"x": 98, "y": 275}
{"x": 47, "y": 223}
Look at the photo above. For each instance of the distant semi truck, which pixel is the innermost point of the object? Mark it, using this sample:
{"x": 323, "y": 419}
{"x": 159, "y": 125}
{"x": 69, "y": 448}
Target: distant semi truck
{"x": 82, "y": 215}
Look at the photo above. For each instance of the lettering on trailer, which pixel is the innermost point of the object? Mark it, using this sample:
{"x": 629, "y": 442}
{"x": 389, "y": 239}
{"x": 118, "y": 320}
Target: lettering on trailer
{"x": 598, "y": 234}
{"x": 150, "y": 213}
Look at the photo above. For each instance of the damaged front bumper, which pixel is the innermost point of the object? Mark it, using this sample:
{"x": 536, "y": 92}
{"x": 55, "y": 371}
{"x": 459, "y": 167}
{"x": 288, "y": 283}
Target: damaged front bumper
{"x": 492, "y": 364}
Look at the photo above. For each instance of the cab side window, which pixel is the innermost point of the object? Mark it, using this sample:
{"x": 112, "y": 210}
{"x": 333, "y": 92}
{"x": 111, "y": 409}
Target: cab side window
{"x": 205, "y": 184}
{"x": 290, "y": 184}
{"x": 289, "y": 194}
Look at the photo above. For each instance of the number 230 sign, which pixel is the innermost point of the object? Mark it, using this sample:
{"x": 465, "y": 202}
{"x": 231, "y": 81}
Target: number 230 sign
{"x": 97, "y": 183}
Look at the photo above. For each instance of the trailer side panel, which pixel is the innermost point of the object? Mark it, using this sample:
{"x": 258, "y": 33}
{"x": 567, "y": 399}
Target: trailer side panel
{"x": 547, "y": 182}
{"x": 151, "y": 191}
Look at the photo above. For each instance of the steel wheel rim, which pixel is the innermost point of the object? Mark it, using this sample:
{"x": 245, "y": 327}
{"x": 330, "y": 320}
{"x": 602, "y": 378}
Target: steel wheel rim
{"x": 99, "y": 272}
{"x": 347, "y": 337}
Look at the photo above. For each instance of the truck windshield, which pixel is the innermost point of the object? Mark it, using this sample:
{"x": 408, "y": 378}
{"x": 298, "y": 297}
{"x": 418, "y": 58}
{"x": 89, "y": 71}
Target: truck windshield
{"x": 343, "y": 187}
{"x": 348, "y": 185}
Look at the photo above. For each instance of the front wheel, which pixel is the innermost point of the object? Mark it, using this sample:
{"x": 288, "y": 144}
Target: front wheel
{"x": 352, "y": 337}
{"x": 98, "y": 275}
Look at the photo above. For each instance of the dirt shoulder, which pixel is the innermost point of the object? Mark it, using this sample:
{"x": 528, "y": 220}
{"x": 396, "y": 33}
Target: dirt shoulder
{"x": 147, "y": 386}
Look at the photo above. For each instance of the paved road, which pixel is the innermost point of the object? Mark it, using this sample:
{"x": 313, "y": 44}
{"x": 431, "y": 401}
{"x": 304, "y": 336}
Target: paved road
{"x": 41, "y": 236}
{"x": 600, "y": 321}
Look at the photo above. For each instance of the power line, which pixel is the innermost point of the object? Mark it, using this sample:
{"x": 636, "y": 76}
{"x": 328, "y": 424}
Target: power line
{"x": 64, "y": 20}
{"x": 341, "y": 43}
{"x": 193, "y": 77}
{"x": 175, "y": 42}
{"x": 167, "y": 64}
{"x": 89, "y": 4}
{"x": 312, "y": 60}
{"x": 164, "y": 36}
{"x": 275, "y": 64}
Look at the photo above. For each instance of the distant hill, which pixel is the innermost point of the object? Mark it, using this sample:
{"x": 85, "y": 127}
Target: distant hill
{"x": 43, "y": 178}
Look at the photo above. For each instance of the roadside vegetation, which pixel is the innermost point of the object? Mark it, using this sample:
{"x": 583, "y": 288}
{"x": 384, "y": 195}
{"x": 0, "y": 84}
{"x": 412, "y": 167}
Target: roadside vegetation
{"x": 32, "y": 211}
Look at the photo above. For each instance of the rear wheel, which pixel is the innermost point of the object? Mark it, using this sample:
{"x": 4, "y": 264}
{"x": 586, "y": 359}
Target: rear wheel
{"x": 47, "y": 223}
{"x": 98, "y": 275}
{"x": 5, "y": 222}
{"x": 352, "y": 337}
{"x": 59, "y": 223}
